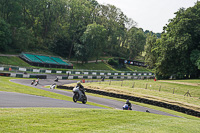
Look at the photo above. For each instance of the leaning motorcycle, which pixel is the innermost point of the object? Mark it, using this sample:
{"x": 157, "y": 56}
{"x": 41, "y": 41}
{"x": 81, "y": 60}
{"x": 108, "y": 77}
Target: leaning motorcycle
{"x": 126, "y": 107}
{"x": 78, "y": 95}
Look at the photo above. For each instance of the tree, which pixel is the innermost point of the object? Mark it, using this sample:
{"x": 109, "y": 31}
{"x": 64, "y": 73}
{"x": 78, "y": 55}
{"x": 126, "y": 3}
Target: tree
{"x": 5, "y": 35}
{"x": 151, "y": 50}
{"x": 195, "y": 57}
{"x": 179, "y": 40}
{"x": 94, "y": 39}
{"x": 23, "y": 39}
{"x": 135, "y": 42}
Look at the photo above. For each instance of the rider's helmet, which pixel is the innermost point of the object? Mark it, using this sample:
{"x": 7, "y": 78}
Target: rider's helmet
{"x": 127, "y": 101}
{"x": 78, "y": 83}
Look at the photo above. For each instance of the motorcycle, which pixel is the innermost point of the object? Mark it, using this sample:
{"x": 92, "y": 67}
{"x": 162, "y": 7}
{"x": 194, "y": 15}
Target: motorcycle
{"x": 32, "y": 82}
{"x": 53, "y": 86}
{"x": 126, "y": 107}
{"x": 36, "y": 82}
{"x": 78, "y": 95}
{"x": 56, "y": 80}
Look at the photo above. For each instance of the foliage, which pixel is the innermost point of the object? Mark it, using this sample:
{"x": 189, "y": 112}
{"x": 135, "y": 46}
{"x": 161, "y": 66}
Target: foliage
{"x": 152, "y": 50}
{"x": 5, "y": 35}
{"x": 195, "y": 57}
{"x": 135, "y": 42}
{"x": 23, "y": 37}
{"x": 70, "y": 28}
{"x": 112, "y": 62}
{"x": 93, "y": 40}
{"x": 177, "y": 52}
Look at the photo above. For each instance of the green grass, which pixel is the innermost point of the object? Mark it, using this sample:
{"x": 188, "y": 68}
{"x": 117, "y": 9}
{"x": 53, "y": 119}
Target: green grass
{"x": 9, "y": 86}
{"x": 91, "y": 66}
{"x": 14, "y": 61}
{"x": 152, "y": 92}
{"x": 91, "y": 120}
{"x": 139, "y": 68}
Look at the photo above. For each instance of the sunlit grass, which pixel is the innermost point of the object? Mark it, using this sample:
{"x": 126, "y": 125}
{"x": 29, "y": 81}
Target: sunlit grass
{"x": 91, "y": 120}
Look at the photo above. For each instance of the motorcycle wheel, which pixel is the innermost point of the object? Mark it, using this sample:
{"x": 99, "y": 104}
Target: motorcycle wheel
{"x": 75, "y": 98}
{"x": 84, "y": 100}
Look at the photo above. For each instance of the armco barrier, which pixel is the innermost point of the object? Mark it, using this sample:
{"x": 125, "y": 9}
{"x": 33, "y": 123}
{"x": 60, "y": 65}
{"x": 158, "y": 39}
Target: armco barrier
{"x": 17, "y": 75}
{"x": 76, "y": 72}
{"x": 5, "y": 74}
{"x": 105, "y": 77}
{"x": 141, "y": 100}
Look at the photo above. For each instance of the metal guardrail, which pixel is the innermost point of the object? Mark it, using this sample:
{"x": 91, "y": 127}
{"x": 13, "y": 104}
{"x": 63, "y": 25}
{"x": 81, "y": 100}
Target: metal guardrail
{"x": 74, "y": 71}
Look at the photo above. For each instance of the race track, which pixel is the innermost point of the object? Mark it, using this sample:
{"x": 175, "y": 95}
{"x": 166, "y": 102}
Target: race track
{"x": 11, "y": 100}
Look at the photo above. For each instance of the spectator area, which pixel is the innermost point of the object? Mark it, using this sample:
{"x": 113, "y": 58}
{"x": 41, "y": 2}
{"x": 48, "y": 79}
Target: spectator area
{"x": 32, "y": 58}
{"x": 45, "y": 61}
{"x": 60, "y": 61}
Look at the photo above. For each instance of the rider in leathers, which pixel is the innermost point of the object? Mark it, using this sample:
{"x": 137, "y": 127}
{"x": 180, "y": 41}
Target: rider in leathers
{"x": 129, "y": 104}
{"x": 81, "y": 88}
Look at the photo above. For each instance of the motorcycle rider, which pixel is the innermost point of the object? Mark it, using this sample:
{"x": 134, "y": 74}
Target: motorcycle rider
{"x": 81, "y": 88}
{"x": 56, "y": 80}
{"x": 33, "y": 81}
{"x": 129, "y": 104}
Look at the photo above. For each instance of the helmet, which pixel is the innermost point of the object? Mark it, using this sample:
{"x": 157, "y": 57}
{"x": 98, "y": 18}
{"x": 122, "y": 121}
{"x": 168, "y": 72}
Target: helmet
{"x": 78, "y": 83}
{"x": 127, "y": 100}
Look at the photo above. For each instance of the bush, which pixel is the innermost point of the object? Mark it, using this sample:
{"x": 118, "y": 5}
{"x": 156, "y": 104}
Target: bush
{"x": 113, "y": 62}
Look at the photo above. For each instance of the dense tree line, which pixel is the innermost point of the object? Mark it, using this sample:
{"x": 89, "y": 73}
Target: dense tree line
{"x": 84, "y": 29}
{"x": 177, "y": 52}
{"x": 78, "y": 28}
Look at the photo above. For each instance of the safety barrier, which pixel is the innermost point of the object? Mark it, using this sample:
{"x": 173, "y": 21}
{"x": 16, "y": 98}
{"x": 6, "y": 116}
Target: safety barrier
{"x": 105, "y": 77}
{"x": 75, "y": 72}
{"x": 19, "y": 75}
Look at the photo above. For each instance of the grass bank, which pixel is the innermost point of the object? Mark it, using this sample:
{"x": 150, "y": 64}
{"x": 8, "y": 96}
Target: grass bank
{"x": 172, "y": 93}
{"x": 14, "y": 61}
{"x": 91, "y": 66}
{"x": 91, "y": 120}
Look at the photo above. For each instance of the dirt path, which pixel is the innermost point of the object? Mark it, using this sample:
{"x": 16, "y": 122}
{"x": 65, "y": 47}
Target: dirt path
{"x": 183, "y": 83}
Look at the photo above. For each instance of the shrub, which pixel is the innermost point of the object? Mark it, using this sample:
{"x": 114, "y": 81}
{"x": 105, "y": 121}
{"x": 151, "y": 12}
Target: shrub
{"x": 112, "y": 62}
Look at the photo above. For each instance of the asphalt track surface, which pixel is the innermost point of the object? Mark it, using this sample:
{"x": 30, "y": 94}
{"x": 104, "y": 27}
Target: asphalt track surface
{"x": 16, "y": 100}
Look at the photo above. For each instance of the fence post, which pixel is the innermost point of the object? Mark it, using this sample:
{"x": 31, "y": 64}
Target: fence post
{"x": 122, "y": 83}
{"x": 160, "y": 88}
{"x": 146, "y": 86}
{"x": 133, "y": 84}
{"x": 173, "y": 90}
{"x": 110, "y": 82}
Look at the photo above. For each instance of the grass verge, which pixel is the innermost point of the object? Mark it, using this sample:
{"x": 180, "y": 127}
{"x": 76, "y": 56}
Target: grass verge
{"x": 15, "y": 61}
{"x": 91, "y": 120}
